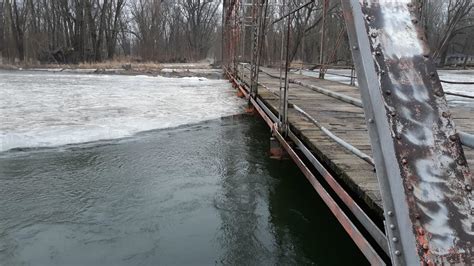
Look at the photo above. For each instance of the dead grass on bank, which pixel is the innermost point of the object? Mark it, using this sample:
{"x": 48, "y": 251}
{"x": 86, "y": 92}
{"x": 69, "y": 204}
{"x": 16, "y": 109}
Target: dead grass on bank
{"x": 116, "y": 64}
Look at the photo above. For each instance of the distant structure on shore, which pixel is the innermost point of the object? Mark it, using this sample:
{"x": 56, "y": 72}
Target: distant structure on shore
{"x": 457, "y": 59}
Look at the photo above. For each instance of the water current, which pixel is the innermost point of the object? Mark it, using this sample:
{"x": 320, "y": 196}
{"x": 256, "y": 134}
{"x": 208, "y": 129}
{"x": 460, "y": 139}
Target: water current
{"x": 136, "y": 170}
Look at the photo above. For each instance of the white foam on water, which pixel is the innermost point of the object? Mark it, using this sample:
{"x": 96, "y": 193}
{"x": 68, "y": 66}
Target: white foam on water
{"x": 43, "y": 109}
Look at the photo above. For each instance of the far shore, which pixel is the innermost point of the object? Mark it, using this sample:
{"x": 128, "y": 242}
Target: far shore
{"x": 197, "y": 69}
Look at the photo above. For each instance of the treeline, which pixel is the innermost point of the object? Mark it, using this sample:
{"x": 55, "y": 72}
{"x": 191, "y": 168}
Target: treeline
{"x": 449, "y": 25}
{"x": 73, "y": 31}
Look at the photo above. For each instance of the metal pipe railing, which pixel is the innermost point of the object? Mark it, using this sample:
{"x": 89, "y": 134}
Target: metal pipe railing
{"x": 459, "y": 94}
{"x": 458, "y": 82}
{"x": 337, "y": 139}
{"x": 465, "y": 138}
{"x": 327, "y": 132}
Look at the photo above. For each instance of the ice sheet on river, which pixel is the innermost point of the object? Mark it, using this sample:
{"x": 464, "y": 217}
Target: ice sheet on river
{"x": 51, "y": 109}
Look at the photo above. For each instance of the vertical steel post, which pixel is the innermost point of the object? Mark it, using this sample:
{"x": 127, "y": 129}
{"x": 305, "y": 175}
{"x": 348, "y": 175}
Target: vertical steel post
{"x": 287, "y": 83}
{"x": 281, "y": 79}
{"x": 424, "y": 178}
{"x": 258, "y": 21}
{"x": 254, "y": 47}
{"x": 323, "y": 39}
{"x": 236, "y": 35}
{"x": 223, "y": 43}
{"x": 243, "y": 28}
{"x": 353, "y": 75}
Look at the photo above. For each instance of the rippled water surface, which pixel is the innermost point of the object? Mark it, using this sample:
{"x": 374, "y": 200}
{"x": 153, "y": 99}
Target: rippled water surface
{"x": 201, "y": 193}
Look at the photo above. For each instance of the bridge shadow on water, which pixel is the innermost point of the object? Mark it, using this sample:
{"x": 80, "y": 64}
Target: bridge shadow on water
{"x": 271, "y": 214}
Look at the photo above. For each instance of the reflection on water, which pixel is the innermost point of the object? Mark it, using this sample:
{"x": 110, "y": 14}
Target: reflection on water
{"x": 195, "y": 195}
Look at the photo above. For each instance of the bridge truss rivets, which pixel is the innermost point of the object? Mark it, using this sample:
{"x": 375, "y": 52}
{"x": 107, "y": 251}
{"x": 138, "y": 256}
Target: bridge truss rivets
{"x": 395, "y": 240}
{"x": 373, "y": 35}
{"x": 439, "y": 93}
{"x": 392, "y": 226}
{"x": 452, "y": 137}
{"x": 390, "y": 213}
{"x": 445, "y": 114}
{"x": 388, "y": 92}
{"x": 404, "y": 161}
{"x": 468, "y": 187}
{"x": 425, "y": 246}
{"x": 397, "y": 252}
{"x": 410, "y": 187}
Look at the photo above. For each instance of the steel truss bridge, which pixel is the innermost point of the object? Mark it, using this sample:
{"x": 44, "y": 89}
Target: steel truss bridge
{"x": 422, "y": 171}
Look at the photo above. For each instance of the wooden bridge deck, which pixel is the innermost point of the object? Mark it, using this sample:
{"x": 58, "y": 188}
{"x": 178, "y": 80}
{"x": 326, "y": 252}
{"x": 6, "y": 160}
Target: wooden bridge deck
{"x": 344, "y": 120}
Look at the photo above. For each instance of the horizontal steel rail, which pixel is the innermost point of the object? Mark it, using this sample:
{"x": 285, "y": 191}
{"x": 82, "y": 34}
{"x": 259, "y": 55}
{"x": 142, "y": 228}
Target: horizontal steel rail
{"x": 338, "y": 140}
{"x": 467, "y": 139}
{"x": 457, "y": 82}
{"x": 459, "y": 95}
{"x": 324, "y": 91}
{"x": 267, "y": 111}
{"x": 361, "y": 216}
{"x": 351, "y": 229}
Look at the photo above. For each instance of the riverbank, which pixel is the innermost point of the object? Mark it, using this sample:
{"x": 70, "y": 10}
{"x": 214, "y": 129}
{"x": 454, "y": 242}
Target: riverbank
{"x": 198, "y": 69}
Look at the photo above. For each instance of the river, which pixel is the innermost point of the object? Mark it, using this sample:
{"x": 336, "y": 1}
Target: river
{"x": 136, "y": 170}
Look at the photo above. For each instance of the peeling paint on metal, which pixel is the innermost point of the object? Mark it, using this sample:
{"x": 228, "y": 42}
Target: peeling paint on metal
{"x": 433, "y": 170}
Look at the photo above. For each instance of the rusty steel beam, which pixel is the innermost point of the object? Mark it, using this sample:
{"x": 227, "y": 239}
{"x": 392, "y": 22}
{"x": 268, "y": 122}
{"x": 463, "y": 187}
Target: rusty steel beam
{"x": 258, "y": 21}
{"x": 349, "y": 227}
{"x": 422, "y": 171}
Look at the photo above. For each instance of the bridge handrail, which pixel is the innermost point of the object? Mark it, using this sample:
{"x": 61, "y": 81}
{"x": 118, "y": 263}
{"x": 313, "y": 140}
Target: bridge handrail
{"x": 330, "y": 134}
{"x": 465, "y": 138}
{"x": 337, "y": 139}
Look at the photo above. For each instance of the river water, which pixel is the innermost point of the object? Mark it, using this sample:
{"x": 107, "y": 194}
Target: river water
{"x": 134, "y": 170}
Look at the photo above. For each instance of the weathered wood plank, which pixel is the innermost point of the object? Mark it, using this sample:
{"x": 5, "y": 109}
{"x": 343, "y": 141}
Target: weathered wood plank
{"x": 346, "y": 121}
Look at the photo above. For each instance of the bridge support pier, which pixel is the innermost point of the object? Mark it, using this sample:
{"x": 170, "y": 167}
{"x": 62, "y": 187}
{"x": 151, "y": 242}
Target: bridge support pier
{"x": 240, "y": 94}
{"x": 277, "y": 151}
